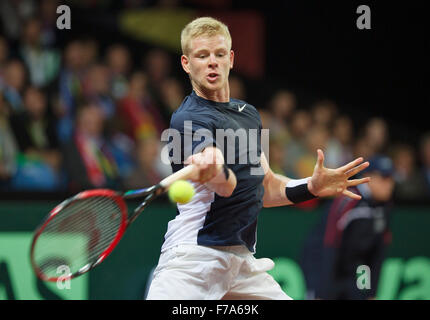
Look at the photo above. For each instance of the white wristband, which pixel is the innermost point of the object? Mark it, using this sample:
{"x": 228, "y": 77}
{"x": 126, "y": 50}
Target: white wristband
{"x": 294, "y": 183}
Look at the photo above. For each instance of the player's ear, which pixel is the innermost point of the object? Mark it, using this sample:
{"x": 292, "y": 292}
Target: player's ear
{"x": 231, "y": 59}
{"x": 185, "y": 63}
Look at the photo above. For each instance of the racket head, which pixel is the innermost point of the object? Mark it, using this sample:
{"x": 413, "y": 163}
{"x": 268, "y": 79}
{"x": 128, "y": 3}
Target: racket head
{"x": 78, "y": 233}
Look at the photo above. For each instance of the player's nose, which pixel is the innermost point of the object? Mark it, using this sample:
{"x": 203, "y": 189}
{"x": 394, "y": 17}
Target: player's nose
{"x": 212, "y": 60}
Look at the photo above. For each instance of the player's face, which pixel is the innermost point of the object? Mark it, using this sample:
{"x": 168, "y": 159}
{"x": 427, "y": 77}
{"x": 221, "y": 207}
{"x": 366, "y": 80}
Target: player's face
{"x": 208, "y": 63}
{"x": 381, "y": 187}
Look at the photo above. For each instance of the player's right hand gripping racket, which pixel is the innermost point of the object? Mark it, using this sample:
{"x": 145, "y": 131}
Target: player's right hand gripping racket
{"x": 79, "y": 233}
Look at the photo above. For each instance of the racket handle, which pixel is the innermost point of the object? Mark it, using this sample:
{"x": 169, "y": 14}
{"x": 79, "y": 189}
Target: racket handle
{"x": 183, "y": 174}
{"x": 157, "y": 189}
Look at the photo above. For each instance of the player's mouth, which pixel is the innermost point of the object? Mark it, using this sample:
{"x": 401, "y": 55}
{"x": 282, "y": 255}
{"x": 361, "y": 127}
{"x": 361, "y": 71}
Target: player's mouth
{"x": 212, "y": 77}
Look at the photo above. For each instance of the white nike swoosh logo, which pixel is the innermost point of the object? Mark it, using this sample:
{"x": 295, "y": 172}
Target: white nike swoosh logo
{"x": 241, "y": 108}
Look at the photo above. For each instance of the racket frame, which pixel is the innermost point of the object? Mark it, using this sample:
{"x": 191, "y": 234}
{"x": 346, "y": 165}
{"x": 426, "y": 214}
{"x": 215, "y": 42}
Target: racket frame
{"x": 81, "y": 196}
{"x": 149, "y": 193}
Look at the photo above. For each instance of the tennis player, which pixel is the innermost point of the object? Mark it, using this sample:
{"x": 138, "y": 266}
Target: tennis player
{"x": 209, "y": 247}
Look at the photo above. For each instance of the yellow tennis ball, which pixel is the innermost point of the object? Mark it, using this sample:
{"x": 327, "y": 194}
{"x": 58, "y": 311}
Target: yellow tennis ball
{"x": 181, "y": 191}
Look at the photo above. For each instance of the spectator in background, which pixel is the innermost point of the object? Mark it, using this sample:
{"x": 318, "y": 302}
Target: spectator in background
{"x": 90, "y": 52}
{"x": 276, "y": 155}
{"x": 351, "y": 233}
{"x": 70, "y": 88}
{"x": 48, "y": 18}
{"x": 8, "y": 147}
{"x": 172, "y": 94}
{"x": 122, "y": 148}
{"x": 138, "y": 112}
{"x": 147, "y": 172}
{"x": 119, "y": 63}
{"x": 157, "y": 67}
{"x": 316, "y": 138}
{"x": 13, "y": 14}
{"x": 425, "y": 158}
{"x": 88, "y": 156}
{"x": 34, "y": 129}
{"x": 409, "y": 184}
{"x": 43, "y": 63}
{"x": 4, "y": 55}
{"x": 339, "y": 147}
{"x": 323, "y": 113}
{"x": 97, "y": 89}
{"x": 362, "y": 148}
{"x": 15, "y": 79}
{"x": 376, "y": 135}
{"x": 359, "y": 234}
{"x": 296, "y": 147}
{"x": 282, "y": 107}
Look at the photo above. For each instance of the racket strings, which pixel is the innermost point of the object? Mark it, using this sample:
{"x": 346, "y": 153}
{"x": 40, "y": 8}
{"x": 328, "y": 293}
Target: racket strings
{"x": 77, "y": 235}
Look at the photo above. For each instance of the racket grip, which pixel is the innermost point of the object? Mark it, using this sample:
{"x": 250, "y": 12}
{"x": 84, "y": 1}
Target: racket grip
{"x": 183, "y": 174}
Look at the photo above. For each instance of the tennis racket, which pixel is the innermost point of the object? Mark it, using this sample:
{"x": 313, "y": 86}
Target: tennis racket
{"x": 79, "y": 233}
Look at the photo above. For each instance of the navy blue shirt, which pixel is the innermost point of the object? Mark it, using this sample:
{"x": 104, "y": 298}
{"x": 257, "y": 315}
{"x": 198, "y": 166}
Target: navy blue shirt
{"x": 230, "y": 220}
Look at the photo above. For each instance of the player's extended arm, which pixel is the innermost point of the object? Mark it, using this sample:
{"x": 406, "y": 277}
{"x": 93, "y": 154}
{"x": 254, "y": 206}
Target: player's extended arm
{"x": 212, "y": 171}
{"x": 280, "y": 190}
{"x": 274, "y": 186}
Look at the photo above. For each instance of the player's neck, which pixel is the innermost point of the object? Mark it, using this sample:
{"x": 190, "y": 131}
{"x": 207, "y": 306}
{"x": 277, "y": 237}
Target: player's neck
{"x": 222, "y": 95}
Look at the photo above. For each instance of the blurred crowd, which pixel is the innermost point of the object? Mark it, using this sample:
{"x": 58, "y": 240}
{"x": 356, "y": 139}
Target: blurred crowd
{"x": 296, "y": 134}
{"x": 78, "y": 116}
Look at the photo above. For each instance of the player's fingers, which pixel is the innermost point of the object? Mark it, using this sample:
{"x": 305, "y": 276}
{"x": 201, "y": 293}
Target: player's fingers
{"x": 210, "y": 157}
{"x": 357, "y": 169}
{"x": 203, "y": 165}
{"x": 194, "y": 159}
{"x": 351, "y": 165}
{"x": 208, "y": 174}
{"x": 356, "y": 182}
{"x": 351, "y": 195}
{"x": 320, "y": 160}
{"x": 219, "y": 158}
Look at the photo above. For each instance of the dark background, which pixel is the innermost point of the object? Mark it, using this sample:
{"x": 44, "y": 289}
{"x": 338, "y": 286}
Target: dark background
{"x": 379, "y": 71}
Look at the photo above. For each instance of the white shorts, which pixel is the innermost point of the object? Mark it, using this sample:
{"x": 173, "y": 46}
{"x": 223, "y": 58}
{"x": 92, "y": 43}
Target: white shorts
{"x": 194, "y": 272}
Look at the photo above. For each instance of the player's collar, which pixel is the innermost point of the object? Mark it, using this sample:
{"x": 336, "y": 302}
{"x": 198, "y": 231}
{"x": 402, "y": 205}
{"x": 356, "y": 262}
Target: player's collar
{"x": 211, "y": 102}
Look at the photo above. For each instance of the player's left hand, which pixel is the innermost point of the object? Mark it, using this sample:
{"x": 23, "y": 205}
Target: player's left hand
{"x": 332, "y": 182}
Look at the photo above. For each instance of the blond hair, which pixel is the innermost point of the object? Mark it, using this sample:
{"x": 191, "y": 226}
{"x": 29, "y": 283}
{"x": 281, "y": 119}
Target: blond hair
{"x": 206, "y": 26}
